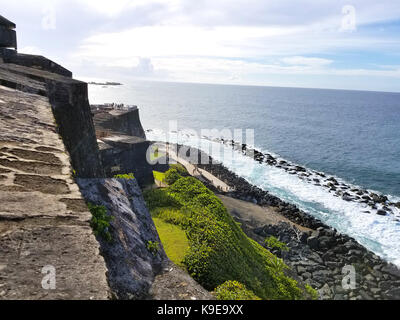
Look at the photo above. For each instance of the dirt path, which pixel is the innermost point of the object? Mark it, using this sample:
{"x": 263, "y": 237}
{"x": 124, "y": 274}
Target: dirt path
{"x": 250, "y": 215}
{"x": 253, "y": 215}
{"x": 199, "y": 173}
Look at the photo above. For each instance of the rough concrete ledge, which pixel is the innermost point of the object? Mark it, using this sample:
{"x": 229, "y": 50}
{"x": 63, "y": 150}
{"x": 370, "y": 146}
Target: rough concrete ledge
{"x": 27, "y": 60}
{"x": 43, "y": 218}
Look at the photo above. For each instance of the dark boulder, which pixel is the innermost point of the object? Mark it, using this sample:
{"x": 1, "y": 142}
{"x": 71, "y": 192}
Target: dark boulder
{"x": 381, "y": 212}
{"x": 303, "y": 237}
{"x": 392, "y": 270}
{"x": 378, "y": 198}
{"x": 347, "y": 197}
{"x": 325, "y": 242}
{"x": 393, "y": 293}
{"x": 313, "y": 242}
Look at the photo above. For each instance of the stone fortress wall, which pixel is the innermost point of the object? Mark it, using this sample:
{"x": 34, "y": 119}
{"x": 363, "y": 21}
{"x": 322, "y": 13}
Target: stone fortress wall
{"x": 50, "y": 167}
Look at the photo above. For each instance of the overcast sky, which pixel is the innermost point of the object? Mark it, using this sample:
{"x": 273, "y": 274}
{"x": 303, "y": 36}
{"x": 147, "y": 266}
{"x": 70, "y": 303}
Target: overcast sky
{"x": 300, "y": 43}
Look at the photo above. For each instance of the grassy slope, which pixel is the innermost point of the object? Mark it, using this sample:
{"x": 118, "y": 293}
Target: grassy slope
{"x": 160, "y": 176}
{"x": 174, "y": 240}
{"x": 218, "y": 249}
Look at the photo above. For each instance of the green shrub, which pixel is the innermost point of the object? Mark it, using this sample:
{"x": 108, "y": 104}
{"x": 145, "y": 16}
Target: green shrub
{"x": 100, "y": 221}
{"x": 171, "y": 215}
{"x": 188, "y": 188}
{"x": 153, "y": 247}
{"x": 273, "y": 243}
{"x": 233, "y": 290}
{"x": 219, "y": 251}
{"x": 180, "y": 169}
{"x": 156, "y": 198}
{"x": 128, "y": 176}
{"x": 312, "y": 292}
{"x": 171, "y": 176}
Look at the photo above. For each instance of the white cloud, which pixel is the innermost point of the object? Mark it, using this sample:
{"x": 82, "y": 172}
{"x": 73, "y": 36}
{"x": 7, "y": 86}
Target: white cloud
{"x": 223, "y": 54}
{"x": 306, "y": 61}
{"x": 182, "y": 41}
{"x": 207, "y": 39}
{"x": 115, "y": 7}
{"x": 30, "y": 50}
{"x": 143, "y": 68}
{"x": 228, "y": 12}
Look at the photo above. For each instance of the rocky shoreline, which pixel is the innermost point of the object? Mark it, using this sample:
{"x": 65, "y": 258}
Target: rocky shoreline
{"x": 321, "y": 257}
{"x": 373, "y": 202}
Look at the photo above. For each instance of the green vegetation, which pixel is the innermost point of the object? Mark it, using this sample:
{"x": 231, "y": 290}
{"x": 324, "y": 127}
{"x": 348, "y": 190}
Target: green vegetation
{"x": 174, "y": 240}
{"x": 273, "y": 243}
{"x": 100, "y": 221}
{"x": 180, "y": 168}
{"x": 233, "y": 290}
{"x": 158, "y": 198}
{"x": 128, "y": 176}
{"x": 153, "y": 247}
{"x": 171, "y": 215}
{"x": 312, "y": 292}
{"x": 171, "y": 176}
{"x": 159, "y": 176}
{"x": 219, "y": 251}
{"x": 174, "y": 172}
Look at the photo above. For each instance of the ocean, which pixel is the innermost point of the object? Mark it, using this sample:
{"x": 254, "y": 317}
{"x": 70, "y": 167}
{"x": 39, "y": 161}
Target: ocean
{"x": 353, "y": 136}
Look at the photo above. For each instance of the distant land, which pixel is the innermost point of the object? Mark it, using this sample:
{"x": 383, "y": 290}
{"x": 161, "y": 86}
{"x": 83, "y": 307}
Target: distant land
{"x": 106, "y": 83}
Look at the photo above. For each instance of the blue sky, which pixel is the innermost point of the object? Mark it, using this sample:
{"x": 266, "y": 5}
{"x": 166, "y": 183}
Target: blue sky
{"x": 301, "y": 43}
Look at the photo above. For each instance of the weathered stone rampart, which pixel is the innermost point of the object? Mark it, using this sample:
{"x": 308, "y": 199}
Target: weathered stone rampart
{"x": 44, "y": 221}
{"x": 47, "y": 247}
